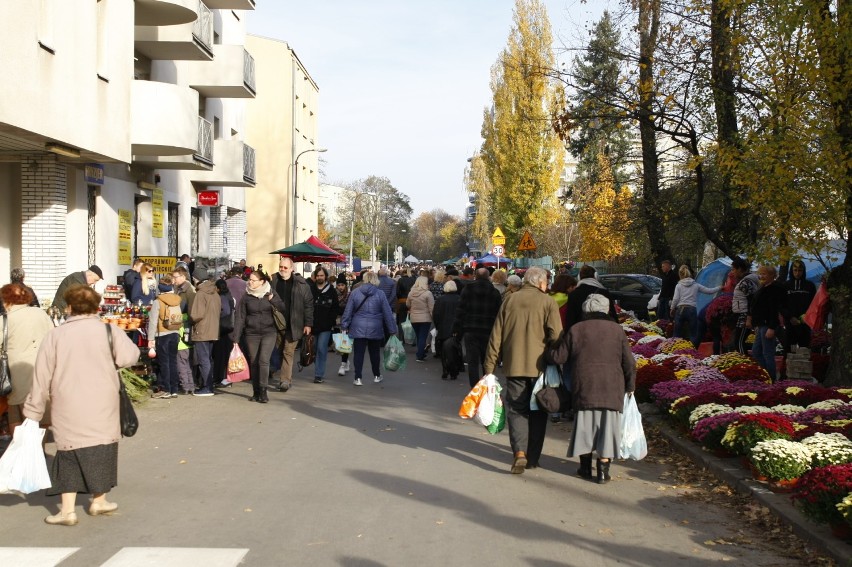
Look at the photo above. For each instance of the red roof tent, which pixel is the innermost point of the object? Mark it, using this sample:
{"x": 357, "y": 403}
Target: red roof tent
{"x": 320, "y": 244}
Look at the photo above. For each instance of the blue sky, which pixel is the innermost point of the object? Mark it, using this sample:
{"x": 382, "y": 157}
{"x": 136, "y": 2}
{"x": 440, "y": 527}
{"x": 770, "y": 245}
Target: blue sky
{"x": 403, "y": 83}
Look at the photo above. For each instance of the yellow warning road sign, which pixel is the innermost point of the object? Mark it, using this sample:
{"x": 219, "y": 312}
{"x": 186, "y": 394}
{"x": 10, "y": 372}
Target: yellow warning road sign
{"x": 498, "y": 237}
{"x": 527, "y": 242}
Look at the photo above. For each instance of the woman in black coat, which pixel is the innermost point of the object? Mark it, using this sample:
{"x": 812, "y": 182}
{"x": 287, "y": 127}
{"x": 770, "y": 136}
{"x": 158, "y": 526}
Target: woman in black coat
{"x": 444, "y": 316}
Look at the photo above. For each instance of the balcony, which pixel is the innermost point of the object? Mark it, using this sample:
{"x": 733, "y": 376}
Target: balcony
{"x": 163, "y": 119}
{"x": 230, "y": 4}
{"x": 200, "y": 160}
{"x": 164, "y": 12}
{"x": 191, "y": 41}
{"x": 229, "y": 75}
{"x": 233, "y": 166}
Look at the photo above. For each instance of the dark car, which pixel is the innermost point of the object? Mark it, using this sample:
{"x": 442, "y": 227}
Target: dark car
{"x": 632, "y": 291}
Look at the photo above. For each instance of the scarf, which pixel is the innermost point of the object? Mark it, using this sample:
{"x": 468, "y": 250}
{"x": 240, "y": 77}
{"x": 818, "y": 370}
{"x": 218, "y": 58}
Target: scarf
{"x": 265, "y": 289}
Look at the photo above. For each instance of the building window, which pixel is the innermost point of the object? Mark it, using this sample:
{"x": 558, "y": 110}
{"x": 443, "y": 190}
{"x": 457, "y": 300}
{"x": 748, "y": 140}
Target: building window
{"x": 173, "y": 229}
{"x": 194, "y": 223}
{"x": 92, "y": 199}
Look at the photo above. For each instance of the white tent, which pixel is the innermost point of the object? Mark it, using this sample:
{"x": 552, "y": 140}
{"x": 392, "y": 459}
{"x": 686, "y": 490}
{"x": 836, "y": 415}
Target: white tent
{"x": 411, "y": 260}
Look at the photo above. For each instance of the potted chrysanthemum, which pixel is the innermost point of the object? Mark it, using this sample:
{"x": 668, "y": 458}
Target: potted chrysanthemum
{"x": 829, "y": 449}
{"x": 750, "y": 429}
{"x": 845, "y": 509}
{"x": 780, "y": 460}
{"x": 820, "y": 490}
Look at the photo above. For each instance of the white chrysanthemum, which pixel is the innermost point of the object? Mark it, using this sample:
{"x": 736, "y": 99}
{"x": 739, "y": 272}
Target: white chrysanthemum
{"x": 788, "y": 409}
{"x": 707, "y": 410}
{"x": 828, "y": 404}
{"x": 829, "y": 449}
{"x": 649, "y": 339}
{"x": 745, "y": 410}
{"x": 658, "y": 358}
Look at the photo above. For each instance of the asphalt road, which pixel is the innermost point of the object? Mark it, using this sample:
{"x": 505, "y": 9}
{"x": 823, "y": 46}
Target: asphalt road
{"x": 382, "y": 475}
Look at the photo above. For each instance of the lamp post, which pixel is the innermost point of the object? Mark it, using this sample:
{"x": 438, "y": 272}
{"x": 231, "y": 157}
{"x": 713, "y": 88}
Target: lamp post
{"x": 296, "y": 184}
{"x": 352, "y": 231}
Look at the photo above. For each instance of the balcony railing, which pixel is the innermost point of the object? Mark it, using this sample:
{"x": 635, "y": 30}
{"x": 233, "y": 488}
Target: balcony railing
{"x": 202, "y": 28}
{"x": 248, "y": 71}
{"x": 248, "y": 164}
{"x": 205, "y": 142}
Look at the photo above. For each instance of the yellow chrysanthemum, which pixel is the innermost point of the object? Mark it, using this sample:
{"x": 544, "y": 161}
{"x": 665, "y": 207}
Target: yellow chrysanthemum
{"x": 793, "y": 390}
{"x": 683, "y": 374}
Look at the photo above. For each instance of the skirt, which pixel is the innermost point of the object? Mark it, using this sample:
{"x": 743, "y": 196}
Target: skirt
{"x": 90, "y": 470}
{"x": 596, "y": 431}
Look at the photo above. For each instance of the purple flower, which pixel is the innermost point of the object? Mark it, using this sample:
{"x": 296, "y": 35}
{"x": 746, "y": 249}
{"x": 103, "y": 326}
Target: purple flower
{"x": 713, "y": 424}
{"x": 705, "y": 374}
{"x": 691, "y": 352}
{"x": 645, "y": 350}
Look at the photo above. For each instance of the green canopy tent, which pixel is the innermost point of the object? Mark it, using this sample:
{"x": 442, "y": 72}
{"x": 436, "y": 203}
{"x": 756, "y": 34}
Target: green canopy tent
{"x": 307, "y": 252}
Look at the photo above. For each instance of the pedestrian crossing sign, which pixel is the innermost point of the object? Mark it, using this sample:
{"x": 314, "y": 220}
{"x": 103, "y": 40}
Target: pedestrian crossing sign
{"x": 527, "y": 242}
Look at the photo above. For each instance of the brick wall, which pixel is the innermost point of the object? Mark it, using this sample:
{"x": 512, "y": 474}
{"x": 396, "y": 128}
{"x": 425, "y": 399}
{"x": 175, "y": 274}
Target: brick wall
{"x": 218, "y": 220}
{"x": 237, "y": 235}
{"x": 44, "y": 207}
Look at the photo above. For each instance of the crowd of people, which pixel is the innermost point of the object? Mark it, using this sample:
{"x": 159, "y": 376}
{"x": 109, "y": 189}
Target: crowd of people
{"x": 500, "y": 321}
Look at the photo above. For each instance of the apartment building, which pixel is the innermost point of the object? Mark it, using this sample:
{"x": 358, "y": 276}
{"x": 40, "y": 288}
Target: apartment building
{"x": 122, "y": 128}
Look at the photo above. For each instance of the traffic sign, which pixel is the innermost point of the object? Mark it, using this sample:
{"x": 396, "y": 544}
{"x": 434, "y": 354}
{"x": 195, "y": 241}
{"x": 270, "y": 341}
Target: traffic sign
{"x": 527, "y": 242}
{"x": 498, "y": 237}
{"x": 497, "y": 250}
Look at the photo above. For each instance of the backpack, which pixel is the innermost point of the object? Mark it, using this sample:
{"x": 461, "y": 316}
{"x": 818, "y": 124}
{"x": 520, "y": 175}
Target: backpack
{"x": 226, "y": 318}
{"x": 171, "y": 316}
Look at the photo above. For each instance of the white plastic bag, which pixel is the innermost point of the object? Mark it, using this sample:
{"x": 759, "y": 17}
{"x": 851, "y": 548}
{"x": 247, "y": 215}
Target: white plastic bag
{"x": 488, "y": 402}
{"x": 633, "y": 445}
{"x": 22, "y": 467}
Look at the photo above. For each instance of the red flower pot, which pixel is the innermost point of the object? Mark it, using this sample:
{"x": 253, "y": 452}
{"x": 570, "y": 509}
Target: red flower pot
{"x": 841, "y": 530}
{"x": 783, "y": 486}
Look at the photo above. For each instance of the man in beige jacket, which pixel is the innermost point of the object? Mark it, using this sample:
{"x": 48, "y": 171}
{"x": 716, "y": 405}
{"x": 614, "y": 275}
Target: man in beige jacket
{"x": 527, "y": 323}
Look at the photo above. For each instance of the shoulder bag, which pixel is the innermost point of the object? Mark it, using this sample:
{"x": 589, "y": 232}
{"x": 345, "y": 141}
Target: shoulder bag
{"x": 126, "y": 414}
{"x": 5, "y": 375}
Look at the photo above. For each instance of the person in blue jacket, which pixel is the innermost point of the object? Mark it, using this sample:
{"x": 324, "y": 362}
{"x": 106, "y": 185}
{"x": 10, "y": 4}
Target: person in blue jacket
{"x": 368, "y": 319}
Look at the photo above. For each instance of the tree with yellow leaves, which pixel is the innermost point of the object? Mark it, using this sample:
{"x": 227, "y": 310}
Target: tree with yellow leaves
{"x": 522, "y": 154}
{"x": 604, "y": 217}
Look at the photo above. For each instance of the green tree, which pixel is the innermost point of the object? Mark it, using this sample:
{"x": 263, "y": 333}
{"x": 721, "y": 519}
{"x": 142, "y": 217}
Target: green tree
{"x": 522, "y": 154}
{"x": 380, "y": 214}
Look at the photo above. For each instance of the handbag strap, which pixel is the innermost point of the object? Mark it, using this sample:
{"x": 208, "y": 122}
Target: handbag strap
{"x": 5, "y": 333}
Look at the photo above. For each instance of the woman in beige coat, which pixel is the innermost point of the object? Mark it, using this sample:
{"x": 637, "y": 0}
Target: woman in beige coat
{"x": 420, "y": 303}
{"x": 75, "y": 371}
{"x": 27, "y": 327}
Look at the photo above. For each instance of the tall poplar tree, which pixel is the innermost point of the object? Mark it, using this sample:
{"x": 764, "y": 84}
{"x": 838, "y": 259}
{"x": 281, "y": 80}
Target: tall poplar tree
{"x": 522, "y": 154}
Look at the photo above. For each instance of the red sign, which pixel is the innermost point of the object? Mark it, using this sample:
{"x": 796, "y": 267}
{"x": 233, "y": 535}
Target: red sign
{"x": 208, "y": 198}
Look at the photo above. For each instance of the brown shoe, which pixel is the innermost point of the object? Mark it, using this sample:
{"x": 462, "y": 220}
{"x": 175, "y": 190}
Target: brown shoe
{"x": 519, "y": 463}
{"x": 61, "y": 519}
{"x": 98, "y": 508}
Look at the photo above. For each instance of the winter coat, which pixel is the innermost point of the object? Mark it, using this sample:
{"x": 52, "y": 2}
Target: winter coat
{"x": 237, "y": 287}
{"x": 77, "y": 278}
{"x": 800, "y": 293}
{"x": 670, "y": 280}
{"x": 404, "y": 285}
{"x": 326, "y": 308}
{"x": 205, "y": 313}
{"x": 388, "y": 286}
{"x": 299, "y": 310}
{"x": 75, "y": 371}
{"x": 420, "y": 303}
{"x": 27, "y": 328}
{"x": 478, "y": 306}
{"x": 436, "y": 289}
{"x": 769, "y": 306}
{"x": 585, "y": 288}
{"x": 527, "y": 322}
{"x": 138, "y": 294}
{"x": 130, "y": 277}
{"x": 227, "y": 314}
{"x": 155, "y": 315}
{"x": 744, "y": 293}
{"x": 444, "y": 314}
{"x": 367, "y": 314}
{"x": 686, "y": 293}
{"x": 254, "y": 314}
{"x": 602, "y": 365}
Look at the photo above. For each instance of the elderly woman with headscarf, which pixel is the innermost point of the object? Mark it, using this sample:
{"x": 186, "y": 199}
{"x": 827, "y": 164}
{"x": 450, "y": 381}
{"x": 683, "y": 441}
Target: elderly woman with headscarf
{"x": 27, "y": 326}
{"x": 75, "y": 372}
{"x": 603, "y": 369}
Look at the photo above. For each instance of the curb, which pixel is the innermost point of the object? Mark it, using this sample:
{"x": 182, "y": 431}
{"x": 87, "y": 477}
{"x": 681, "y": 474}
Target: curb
{"x": 730, "y": 471}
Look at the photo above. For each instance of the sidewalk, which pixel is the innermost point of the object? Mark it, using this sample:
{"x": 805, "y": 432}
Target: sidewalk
{"x": 732, "y": 472}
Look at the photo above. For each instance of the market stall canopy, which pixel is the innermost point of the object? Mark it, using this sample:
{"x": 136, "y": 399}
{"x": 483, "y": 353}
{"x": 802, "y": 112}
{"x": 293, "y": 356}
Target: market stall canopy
{"x": 317, "y": 242}
{"x": 410, "y": 259}
{"x": 491, "y": 260}
{"x": 307, "y": 252}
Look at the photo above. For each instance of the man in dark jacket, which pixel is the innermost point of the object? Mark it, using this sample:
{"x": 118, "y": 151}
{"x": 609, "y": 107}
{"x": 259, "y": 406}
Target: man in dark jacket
{"x": 475, "y": 316}
{"x": 131, "y": 276}
{"x": 800, "y": 294}
{"x": 299, "y": 314}
{"x": 403, "y": 286}
{"x": 768, "y": 311}
{"x": 326, "y": 310}
{"x": 587, "y": 285}
{"x": 388, "y": 287}
{"x": 88, "y": 277}
{"x": 444, "y": 317}
{"x": 670, "y": 279}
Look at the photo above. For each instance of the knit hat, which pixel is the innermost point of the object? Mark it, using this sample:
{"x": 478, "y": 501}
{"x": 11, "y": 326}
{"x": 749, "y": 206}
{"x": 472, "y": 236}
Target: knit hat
{"x": 97, "y": 271}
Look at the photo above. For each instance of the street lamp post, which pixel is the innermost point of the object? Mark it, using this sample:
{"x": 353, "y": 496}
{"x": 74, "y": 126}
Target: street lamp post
{"x": 296, "y": 185}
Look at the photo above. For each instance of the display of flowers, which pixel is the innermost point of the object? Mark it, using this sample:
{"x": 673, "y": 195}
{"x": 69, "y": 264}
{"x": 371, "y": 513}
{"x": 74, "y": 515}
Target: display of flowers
{"x": 780, "y": 459}
{"x": 710, "y": 430}
{"x": 670, "y": 346}
{"x": 828, "y": 449}
{"x": 705, "y": 374}
{"x": 821, "y": 489}
{"x": 719, "y": 308}
{"x": 649, "y": 375}
{"x": 724, "y": 361}
{"x": 750, "y": 429}
{"x": 652, "y": 340}
{"x": 707, "y": 410}
{"x": 788, "y": 409}
{"x": 746, "y": 371}
{"x": 845, "y": 508}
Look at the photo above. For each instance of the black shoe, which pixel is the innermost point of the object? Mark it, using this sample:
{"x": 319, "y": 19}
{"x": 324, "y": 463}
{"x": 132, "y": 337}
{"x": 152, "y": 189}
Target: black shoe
{"x": 603, "y": 472}
{"x": 283, "y": 387}
{"x": 585, "y": 470}
{"x": 263, "y": 398}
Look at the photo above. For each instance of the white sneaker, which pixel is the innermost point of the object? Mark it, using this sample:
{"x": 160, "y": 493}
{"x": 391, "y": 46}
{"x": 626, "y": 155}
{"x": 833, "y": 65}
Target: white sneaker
{"x": 342, "y": 370}
{"x": 357, "y": 382}
{"x": 377, "y": 379}
{"x": 346, "y": 365}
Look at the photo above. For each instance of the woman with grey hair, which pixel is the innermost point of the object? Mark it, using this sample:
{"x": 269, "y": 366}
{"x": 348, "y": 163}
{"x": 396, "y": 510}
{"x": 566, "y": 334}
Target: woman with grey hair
{"x": 368, "y": 319}
{"x": 513, "y": 284}
{"x": 603, "y": 369}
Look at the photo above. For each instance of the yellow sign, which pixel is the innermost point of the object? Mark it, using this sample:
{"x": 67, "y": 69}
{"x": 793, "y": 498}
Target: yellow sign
{"x": 498, "y": 237}
{"x": 162, "y": 264}
{"x": 125, "y": 233}
{"x": 157, "y": 214}
{"x": 527, "y": 242}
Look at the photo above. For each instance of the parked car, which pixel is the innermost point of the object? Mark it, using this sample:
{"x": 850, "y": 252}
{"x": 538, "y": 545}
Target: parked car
{"x": 632, "y": 291}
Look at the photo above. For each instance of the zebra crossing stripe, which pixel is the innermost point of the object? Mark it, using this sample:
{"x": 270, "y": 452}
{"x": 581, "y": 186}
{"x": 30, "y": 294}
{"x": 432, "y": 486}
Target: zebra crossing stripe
{"x": 34, "y": 556}
{"x": 175, "y": 557}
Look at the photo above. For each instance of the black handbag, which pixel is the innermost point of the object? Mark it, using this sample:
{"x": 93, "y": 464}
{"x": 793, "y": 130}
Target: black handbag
{"x": 5, "y": 375}
{"x": 308, "y": 351}
{"x": 128, "y": 421}
{"x": 553, "y": 399}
